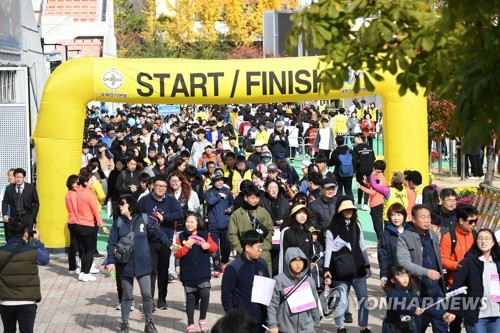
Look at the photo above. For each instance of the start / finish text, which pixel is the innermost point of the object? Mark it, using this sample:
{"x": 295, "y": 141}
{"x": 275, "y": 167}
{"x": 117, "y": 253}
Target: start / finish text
{"x": 264, "y": 83}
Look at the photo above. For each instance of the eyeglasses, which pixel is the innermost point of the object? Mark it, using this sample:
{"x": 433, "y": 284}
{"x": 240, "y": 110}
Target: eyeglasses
{"x": 484, "y": 239}
{"x": 174, "y": 181}
{"x": 160, "y": 186}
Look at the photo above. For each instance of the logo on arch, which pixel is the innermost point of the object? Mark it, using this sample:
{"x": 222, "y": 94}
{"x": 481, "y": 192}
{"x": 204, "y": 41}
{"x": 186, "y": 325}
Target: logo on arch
{"x": 112, "y": 79}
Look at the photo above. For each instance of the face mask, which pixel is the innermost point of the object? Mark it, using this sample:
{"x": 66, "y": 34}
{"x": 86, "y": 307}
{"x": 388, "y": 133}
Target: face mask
{"x": 267, "y": 114}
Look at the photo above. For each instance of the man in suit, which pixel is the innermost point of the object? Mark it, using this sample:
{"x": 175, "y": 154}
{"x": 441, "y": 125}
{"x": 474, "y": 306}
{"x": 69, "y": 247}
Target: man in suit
{"x": 22, "y": 199}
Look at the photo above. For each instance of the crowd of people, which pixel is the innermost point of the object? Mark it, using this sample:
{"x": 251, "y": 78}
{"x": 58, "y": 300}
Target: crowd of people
{"x": 188, "y": 192}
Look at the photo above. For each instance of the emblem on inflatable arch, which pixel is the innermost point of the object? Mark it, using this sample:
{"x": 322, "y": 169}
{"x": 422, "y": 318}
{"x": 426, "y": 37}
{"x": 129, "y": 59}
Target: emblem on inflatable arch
{"x": 112, "y": 79}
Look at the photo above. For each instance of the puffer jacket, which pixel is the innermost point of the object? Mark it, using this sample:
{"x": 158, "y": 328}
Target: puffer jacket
{"x": 323, "y": 212}
{"x": 386, "y": 249}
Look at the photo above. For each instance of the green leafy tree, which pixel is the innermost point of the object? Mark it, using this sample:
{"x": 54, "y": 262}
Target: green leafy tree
{"x": 446, "y": 47}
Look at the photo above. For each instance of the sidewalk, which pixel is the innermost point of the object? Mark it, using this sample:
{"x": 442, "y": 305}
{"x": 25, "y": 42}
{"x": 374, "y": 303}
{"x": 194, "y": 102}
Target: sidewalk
{"x": 69, "y": 305}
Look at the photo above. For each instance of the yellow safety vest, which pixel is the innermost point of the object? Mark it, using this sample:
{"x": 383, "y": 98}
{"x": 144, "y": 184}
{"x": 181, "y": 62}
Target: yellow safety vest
{"x": 395, "y": 196}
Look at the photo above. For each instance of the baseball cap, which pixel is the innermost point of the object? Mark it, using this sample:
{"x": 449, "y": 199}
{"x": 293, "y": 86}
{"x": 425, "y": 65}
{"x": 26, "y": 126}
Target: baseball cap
{"x": 272, "y": 167}
{"x": 328, "y": 182}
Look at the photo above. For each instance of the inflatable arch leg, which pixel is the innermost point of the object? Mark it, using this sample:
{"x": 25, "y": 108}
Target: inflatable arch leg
{"x": 59, "y": 130}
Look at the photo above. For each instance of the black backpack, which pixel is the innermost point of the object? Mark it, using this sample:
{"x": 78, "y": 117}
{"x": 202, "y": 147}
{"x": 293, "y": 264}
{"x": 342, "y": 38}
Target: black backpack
{"x": 453, "y": 237}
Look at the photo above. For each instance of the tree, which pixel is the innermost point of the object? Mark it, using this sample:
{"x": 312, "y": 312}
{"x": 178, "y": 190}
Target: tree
{"x": 449, "y": 48}
{"x": 179, "y": 25}
{"x": 237, "y": 18}
{"x": 440, "y": 119}
{"x": 209, "y": 12}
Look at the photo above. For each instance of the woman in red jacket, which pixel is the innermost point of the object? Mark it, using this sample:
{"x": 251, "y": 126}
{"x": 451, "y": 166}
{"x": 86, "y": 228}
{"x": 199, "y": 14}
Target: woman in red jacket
{"x": 368, "y": 127}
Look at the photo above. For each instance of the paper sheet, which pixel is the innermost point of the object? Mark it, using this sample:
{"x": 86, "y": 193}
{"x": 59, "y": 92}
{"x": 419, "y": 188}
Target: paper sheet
{"x": 262, "y": 290}
{"x": 339, "y": 243}
{"x": 302, "y": 299}
{"x": 495, "y": 288}
{"x": 277, "y": 235}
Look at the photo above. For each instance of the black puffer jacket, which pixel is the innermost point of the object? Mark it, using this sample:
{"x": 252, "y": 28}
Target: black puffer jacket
{"x": 323, "y": 212}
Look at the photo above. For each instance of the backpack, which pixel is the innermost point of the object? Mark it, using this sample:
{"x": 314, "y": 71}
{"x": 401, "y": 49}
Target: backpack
{"x": 453, "y": 238}
{"x": 125, "y": 245}
{"x": 346, "y": 168}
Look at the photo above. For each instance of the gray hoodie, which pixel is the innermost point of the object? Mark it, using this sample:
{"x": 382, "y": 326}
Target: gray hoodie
{"x": 279, "y": 315}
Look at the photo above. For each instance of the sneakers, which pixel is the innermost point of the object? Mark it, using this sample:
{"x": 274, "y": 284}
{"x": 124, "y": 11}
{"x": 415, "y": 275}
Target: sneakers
{"x": 171, "y": 278}
{"x": 162, "y": 305}
{"x": 118, "y": 306}
{"x": 191, "y": 329}
{"x": 124, "y": 327}
{"x": 203, "y": 326}
{"x": 216, "y": 274}
{"x": 80, "y": 276}
{"x": 365, "y": 207}
{"x": 94, "y": 270}
{"x": 150, "y": 327}
{"x": 366, "y": 330}
{"x": 98, "y": 255}
{"x": 342, "y": 330}
{"x": 348, "y": 318}
{"x": 88, "y": 278}
{"x": 75, "y": 271}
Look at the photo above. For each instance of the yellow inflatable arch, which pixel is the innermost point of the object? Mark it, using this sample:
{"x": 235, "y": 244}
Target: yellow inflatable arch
{"x": 59, "y": 130}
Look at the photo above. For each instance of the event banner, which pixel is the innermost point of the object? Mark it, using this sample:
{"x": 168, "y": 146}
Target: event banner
{"x": 181, "y": 81}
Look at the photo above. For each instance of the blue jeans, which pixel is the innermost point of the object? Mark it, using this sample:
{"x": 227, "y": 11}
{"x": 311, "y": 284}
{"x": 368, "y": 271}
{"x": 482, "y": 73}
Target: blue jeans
{"x": 219, "y": 237}
{"x": 483, "y": 325}
{"x": 361, "y": 291}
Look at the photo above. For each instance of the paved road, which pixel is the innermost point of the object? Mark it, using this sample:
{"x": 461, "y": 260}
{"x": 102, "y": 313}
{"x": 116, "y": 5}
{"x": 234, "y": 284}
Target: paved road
{"x": 72, "y": 306}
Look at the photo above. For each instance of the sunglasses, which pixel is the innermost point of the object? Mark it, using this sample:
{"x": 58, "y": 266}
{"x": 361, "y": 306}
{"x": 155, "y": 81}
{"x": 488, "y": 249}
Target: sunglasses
{"x": 472, "y": 221}
{"x": 122, "y": 203}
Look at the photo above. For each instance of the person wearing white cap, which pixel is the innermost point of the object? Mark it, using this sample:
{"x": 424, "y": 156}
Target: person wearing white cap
{"x": 255, "y": 156}
{"x": 349, "y": 266}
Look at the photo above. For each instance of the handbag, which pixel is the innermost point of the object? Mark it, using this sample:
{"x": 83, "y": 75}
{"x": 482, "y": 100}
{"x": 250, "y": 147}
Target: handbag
{"x": 125, "y": 246}
{"x": 343, "y": 265}
{"x": 406, "y": 326}
{"x": 257, "y": 225}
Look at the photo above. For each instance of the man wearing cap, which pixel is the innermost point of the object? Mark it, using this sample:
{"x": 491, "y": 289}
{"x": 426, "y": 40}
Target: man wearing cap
{"x": 187, "y": 137}
{"x": 255, "y": 156}
{"x": 240, "y": 172}
{"x": 324, "y": 207}
{"x": 288, "y": 173}
{"x": 278, "y": 141}
{"x": 266, "y": 159}
{"x": 135, "y": 141}
{"x": 220, "y": 203}
{"x": 208, "y": 156}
